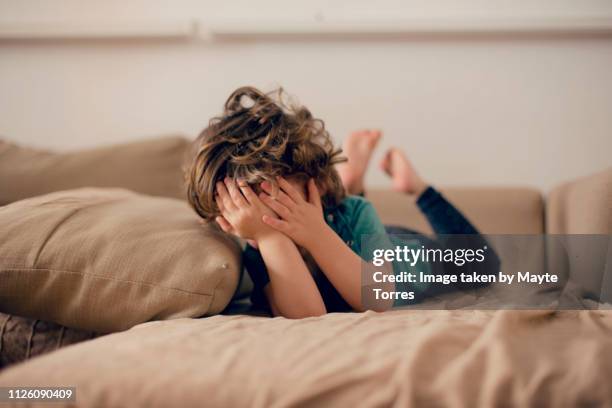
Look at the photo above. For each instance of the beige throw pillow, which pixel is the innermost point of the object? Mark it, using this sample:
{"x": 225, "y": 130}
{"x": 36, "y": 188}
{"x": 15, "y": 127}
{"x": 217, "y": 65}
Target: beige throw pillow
{"x": 107, "y": 259}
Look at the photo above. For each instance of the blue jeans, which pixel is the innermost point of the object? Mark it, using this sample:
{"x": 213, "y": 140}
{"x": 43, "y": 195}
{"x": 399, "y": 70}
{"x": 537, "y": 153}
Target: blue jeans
{"x": 453, "y": 231}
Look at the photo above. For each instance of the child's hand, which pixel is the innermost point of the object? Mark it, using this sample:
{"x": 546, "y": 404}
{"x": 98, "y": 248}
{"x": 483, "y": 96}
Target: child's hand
{"x": 300, "y": 220}
{"x": 241, "y": 211}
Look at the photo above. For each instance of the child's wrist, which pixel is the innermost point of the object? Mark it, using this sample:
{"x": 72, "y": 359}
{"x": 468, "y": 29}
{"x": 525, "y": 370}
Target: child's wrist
{"x": 269, "y": 235}
{"x": 319, "y": 237}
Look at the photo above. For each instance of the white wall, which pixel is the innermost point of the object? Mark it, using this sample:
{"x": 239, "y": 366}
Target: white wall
{"x": 526, "y": 110}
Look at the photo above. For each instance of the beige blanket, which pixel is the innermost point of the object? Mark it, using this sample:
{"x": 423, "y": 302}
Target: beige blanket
{"x": 401, "y": 358}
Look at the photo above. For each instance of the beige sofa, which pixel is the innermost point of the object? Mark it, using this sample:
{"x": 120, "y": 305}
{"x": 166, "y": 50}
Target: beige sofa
{"x": 581, "y": 206}
{"x": 153, "y": 166}
{"x": 400, "y": 358}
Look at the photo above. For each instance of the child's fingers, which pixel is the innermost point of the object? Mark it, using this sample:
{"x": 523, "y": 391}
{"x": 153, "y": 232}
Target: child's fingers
{"x": 288, "y": 188}
{"x": 248, "y": 193}
{"x": 314, "y": 197}
{"x": 224, "y": 197}
{"x": 223, "y": 211}
{"x": 275, "y": 205}
{"x": 219, "y": 202}
{"x": 267, "y": 187}
{"x": 235, "y": 193}
{"x": 225, "y": 226}
{"x": 280, "y": 195}
{"x": 275, "y": 223}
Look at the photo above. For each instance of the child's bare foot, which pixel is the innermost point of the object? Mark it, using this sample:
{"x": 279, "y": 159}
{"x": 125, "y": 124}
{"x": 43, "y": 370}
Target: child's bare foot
{"x": 403, "y": 175}
{"x": 358, "y": 148}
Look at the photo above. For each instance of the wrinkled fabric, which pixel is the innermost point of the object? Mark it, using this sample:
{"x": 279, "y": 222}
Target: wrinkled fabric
{"x": 401, "y": 358}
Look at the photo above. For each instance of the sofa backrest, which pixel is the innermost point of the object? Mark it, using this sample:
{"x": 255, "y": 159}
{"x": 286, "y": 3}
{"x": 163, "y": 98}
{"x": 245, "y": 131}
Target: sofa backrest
{"x": 149, "y": 166}
{"x": 582, "y": 206}
{"x": 493, "y": 210}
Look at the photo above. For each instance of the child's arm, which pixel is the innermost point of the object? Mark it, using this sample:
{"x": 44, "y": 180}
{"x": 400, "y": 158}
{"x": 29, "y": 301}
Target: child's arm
{"x": 341, "y": 265}
{"x": 303, "y": 222}
{"x": 291, "y": 292}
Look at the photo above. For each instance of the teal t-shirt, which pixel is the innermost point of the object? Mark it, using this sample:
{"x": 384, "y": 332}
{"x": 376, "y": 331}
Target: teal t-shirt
{"x": 356, "y": 221}
{"x": 353, "y": 219}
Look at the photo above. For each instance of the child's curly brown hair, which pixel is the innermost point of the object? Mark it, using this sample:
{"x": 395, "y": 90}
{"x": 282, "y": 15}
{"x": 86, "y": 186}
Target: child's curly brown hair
{"x": 260, "y": 137}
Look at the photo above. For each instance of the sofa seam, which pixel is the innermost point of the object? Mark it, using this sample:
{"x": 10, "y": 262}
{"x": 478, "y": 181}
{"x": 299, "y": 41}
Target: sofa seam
{"x": 96, "y": 276}
{"x": 212, "y": 296}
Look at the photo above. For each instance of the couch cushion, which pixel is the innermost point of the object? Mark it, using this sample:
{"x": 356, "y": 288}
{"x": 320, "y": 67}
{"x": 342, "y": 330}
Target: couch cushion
{"x": 107, "y": 259}
{"x": 577, "y": 211}
{"x": 582, "y": 206}
{"x": 408, "y": 358}
{"x": 491, "y": 210}
{"x": 150, "y": 166}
